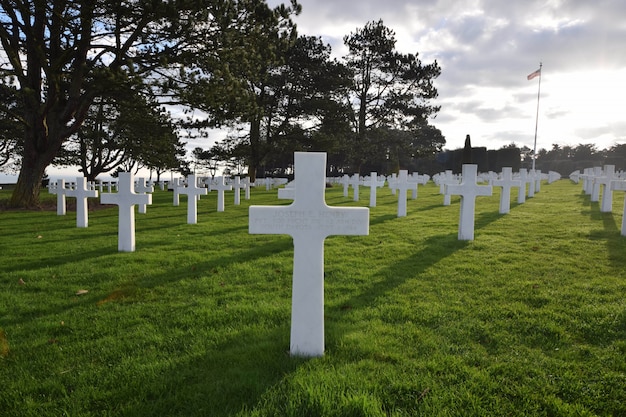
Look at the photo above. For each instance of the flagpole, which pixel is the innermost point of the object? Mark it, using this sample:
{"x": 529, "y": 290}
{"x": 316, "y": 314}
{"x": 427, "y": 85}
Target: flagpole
{"x": 537, "y": 118}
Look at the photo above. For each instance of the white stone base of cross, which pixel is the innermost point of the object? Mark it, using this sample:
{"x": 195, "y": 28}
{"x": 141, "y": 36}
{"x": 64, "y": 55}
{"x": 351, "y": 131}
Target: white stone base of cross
{"x": 309, "y": 221}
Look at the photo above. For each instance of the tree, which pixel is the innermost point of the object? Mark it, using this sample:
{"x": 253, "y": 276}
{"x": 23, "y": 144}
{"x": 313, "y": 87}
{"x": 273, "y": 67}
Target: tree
{"x": 233, "y": 87}
{"x": 467, "y": 150}
{"x": 10, "y": 127}
{"x": 389, "y": 89}
{"x": 64, "y": 54}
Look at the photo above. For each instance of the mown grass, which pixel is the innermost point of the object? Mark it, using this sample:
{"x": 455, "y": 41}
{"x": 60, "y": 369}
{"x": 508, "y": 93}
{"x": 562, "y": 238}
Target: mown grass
{"x": 527, "y": 319}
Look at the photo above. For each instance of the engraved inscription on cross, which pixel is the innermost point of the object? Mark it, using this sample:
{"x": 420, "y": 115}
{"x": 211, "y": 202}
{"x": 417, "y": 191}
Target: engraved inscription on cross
{"x": 309, "y": 220}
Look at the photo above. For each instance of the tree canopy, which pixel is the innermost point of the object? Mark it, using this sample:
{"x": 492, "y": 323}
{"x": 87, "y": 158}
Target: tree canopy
{"x": 63, "y": 54}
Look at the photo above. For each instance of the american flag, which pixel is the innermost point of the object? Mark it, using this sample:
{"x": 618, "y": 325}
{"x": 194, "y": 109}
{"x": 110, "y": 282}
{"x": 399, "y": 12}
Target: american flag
{"x": 534, "y": 74}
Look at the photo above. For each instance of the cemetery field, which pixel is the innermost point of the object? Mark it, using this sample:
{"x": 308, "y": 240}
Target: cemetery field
{"x": 529, "y": 319}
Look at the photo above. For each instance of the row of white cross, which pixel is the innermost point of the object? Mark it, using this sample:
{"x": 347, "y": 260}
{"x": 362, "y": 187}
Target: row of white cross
{"x": 308, "y": 220}
{"x": 603, "y": 181}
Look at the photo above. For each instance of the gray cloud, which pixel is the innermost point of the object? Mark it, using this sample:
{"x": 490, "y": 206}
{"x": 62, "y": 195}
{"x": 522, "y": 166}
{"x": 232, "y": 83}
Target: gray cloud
{"x": 488, "y": 47}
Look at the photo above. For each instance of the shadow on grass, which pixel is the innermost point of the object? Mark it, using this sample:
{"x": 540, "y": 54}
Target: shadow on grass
{"x": 219, "y": 261}
{"x": 54, "y": 259}
{"x": 226, "y": 380}
{"x": 616, "y": 243}
{"x": 436, "y": 248}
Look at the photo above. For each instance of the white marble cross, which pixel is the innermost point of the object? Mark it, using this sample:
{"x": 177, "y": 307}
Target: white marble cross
{"x": 193, "y": 192}
{"x": 392, "y": 183}
{"x": 538, "y": 178}
{"x": 531, "y": 180}
{"x": 142, "y": 188}
{"x": 345, "y": 181}
{"x": 506, "y": 182}
{"x": 553, "y": 176}
{"x": 126, "y": 199}
{"x": 468, "y": 190}
{"x": 309, "y": 220}
{"x": 604, "y": 181}
{"x": 237, "y": 186}
{"x": 247, "y": 186}
{"x": 417, "y": 179}
{"x": 523, "y": 180}
{"x": 373, "y": 185}
{"x": 221, "y": 187}
{"x": 82, "y": 192}
{"x": 587, "y": 177}
{"x": 177, "y": 184}
{"x": 403, "y": 184}
{"x": 595, "y": 186}
{"x": 60, "y": 191}
{"x": 447, "y": 180}
{"x": 354, "y": 182}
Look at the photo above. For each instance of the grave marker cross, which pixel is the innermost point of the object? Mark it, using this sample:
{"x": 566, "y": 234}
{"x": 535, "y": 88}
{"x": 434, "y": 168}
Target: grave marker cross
{"x": 81, "y": 192}
{"x": 373, "y": 184}
{"x": 604, "y": 181}
{"x": 141, "y": 188}
{"x": 523, "y": 180}
{"x": 354, "y": 182}
{"x": 506, "y": 182}
{"x": 309, "y": 221}
{"x": 126, "y": 199}
{"x": 237, "y": 186}
{"x": 468, "y": 190}
{"x": 60, "y": 191}
{"x": 403, "y": 184}
{"x": 595, "y": 185}
{"x": 221, "y": 187}
{"x": 193, "y": 192}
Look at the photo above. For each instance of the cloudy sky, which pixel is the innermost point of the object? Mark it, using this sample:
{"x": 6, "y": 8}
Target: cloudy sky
{"x": 486, "y": 48}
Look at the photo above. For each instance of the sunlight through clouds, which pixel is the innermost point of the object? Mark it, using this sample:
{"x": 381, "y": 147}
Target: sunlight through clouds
{"x": 486, "y": 48}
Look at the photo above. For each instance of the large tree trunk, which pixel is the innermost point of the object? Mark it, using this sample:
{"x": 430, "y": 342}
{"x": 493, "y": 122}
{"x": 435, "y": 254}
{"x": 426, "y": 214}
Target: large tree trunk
{"x": 39, "y": 150}
{"x": 255, "y": 152}
{"x": 26, "y": 192}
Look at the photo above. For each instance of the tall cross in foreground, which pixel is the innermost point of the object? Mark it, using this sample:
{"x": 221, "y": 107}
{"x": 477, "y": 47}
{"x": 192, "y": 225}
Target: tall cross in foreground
{"x": 126, "y": 199}
{"x": 309, "y": 221}
{"x": 468, "y": 190}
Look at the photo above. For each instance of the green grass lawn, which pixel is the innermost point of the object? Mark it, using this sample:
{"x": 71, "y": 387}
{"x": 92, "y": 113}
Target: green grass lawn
{"x": 529, "y": 319}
